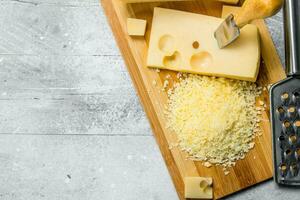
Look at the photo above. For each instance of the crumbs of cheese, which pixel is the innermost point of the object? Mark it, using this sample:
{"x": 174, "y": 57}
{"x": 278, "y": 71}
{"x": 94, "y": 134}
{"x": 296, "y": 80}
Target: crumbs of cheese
{"x": 214, "y": 118}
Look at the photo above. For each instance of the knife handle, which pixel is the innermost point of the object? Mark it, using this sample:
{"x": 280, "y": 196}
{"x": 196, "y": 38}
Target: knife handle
{"x": 257, "y": 9}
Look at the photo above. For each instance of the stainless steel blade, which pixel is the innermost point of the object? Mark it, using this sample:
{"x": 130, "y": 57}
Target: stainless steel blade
{"x": 227, "y": 32}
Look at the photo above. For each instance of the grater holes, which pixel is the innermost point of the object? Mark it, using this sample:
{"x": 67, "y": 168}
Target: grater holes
{"x": 287, "y": 127}
{"x": 297, "y": 127}
{"x": 292, "y": 139}
{"x": 283, "y": 169}
{"x": 296, "y": 97}
{"x": 281, "y": 113}
{"x": 291, "y": 112}
{"x": 297, "y": 153}
{"x": 294, "y": 169}
{"x": 282, "y": 142}
{"x": 286, "y": 124}
{"x": 285, "y": 98}
{"x": 281, "y": 138}
{"x": 288, "y": 154}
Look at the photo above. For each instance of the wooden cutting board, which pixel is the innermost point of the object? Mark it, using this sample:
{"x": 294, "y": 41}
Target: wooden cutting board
{"x": 257, "y": 166}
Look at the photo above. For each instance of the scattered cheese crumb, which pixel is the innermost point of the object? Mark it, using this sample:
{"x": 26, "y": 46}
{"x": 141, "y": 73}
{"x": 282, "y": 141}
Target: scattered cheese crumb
{"x": 207, "y": 164}
{"x": 265, "y": 89}
{"x": 261, "y": 103}
{"x": 168, "y": 76}
{"x": 157, "y": 70}
{"x": 166, "y": 84}
{"x": 256, "y": 130}
{"x": 154, "y": 82}
{"x": 179, "y": 75}
{"x": 226, "y": 173}
{"x": 259, "y": 112}
{"x": 251, "y": 145}
{"x": 214, "y": 118}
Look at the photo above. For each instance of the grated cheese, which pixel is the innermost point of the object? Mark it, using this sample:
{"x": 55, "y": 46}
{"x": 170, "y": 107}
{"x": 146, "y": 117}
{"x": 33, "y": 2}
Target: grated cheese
{"x": 214, "y": 118}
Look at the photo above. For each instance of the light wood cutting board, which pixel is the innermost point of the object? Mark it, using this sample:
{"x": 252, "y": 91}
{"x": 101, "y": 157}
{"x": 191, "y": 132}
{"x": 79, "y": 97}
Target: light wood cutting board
{"x": 257, "y": 166}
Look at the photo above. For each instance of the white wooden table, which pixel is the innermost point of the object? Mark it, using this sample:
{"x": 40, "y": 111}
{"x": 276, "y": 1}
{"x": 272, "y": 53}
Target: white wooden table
{"x": 71, "y": 125}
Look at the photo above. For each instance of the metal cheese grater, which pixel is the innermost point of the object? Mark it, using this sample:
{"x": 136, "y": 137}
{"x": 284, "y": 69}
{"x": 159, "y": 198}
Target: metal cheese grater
{"x": 285, "y": 104}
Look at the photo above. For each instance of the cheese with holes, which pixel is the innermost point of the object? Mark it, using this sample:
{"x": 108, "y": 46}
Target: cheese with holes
{"x": 136, "y": 27}
{"x": 198, "y": 188}
{"x": 185, "y": 42}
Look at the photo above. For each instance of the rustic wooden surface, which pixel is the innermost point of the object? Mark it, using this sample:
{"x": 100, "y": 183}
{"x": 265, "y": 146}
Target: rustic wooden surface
{"x": 65, "y": 47}
{"x": 257, "y": 166}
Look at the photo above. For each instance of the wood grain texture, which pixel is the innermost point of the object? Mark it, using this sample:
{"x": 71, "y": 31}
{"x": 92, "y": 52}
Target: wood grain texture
{"x": 257, "y": 166}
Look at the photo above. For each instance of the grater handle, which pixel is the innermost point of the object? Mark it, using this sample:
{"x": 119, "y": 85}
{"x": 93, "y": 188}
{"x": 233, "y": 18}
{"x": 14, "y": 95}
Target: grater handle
{"x": 292, "y": 36}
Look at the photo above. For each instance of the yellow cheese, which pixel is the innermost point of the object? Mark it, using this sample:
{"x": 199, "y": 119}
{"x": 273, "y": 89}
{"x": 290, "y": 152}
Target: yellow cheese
{"x": 214, "y": 118}
{"x": 142, "y": 1}
{"x": 198, "y": 188}
{"x": 185, "y": 42}
{"x": 136, "y": 27}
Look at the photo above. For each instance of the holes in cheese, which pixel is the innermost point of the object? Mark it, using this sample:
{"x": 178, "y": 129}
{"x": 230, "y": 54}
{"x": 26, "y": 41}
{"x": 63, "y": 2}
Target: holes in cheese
{"x": 203, "y": 184}
{"x": 190, "y": 34}
{"x": 201, "y": 60}
{"x": 173, "y": 60}
{"x": 198, "y": 188}
{"x": 196, "y": 45}
{"x": 166, "y": 44}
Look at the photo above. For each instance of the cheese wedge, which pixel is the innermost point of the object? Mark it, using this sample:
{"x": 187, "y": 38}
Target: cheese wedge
{"x": 185, "y": 42}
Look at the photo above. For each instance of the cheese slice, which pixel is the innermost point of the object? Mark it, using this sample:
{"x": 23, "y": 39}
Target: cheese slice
{"x": 198, "y": 188}
{"x": 136, "y": 27}
{"x": 185, "y": 42}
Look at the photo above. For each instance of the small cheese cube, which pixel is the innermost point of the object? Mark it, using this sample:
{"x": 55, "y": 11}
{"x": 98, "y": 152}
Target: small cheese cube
{"x": 198, "y": 188}
{"x": 136, "y": 27}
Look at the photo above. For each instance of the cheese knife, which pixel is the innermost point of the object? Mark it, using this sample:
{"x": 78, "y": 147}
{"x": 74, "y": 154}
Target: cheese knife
{"x": 229, "y": 30}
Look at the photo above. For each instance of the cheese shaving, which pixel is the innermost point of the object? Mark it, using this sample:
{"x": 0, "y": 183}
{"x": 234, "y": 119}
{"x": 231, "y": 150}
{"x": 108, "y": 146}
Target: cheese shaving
{"x": 214, "y": 118}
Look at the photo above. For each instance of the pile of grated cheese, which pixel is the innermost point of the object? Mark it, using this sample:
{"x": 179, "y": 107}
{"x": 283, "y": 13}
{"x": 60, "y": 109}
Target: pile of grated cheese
{"x": 214, "y": 118}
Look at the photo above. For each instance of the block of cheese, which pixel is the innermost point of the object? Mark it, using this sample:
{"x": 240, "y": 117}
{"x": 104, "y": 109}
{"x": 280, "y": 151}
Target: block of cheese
{"x": 198, "y": 188}
{"x": 185, "y": 42}
{"x": 136, "y": 27}
{"x": 142, "y": 1}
